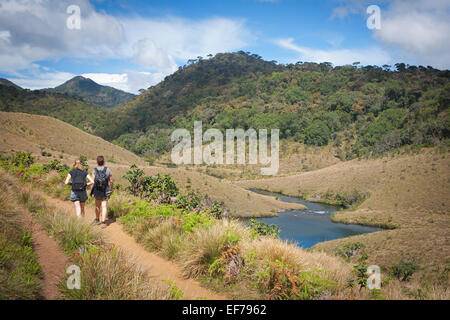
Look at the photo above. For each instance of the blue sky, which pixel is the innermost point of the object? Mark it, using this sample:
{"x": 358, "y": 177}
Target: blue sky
{"x": 135, "y": 44}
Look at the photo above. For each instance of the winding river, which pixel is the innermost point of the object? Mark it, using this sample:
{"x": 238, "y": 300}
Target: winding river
{"x": 308, "y": 227}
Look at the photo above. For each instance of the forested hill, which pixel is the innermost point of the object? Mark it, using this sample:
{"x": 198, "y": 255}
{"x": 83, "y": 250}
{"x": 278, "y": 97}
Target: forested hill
{"x": 6, "y": 82}
{"x": 86, "y": 116}
{"x": 92, "y": 92}
{"x": 360, "y": 109}
{"x": 180, "y": 92}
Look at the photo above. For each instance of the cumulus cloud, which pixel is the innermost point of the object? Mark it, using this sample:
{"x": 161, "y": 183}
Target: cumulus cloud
{"x": 35, "y": 30}
{"x": 421, "y": 29}
{"x": 366, "y": 56}
{"x": 149, "y": 55}
{"x": 185, "y": 39}
{"x": 43, "y": 80}
{"x": 418, "y": 30}
{"x": 129, "y": 81}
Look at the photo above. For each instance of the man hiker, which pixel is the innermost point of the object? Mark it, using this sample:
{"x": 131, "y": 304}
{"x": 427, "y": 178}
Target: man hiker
{"x": 102, "y": 190}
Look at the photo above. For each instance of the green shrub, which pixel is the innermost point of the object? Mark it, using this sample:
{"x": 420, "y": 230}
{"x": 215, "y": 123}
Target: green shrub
{"x": 259, "y": 228}
{"x": 404, "y": 271}
{"x": 350, "y": 249}
{"x": 24, "y": 159}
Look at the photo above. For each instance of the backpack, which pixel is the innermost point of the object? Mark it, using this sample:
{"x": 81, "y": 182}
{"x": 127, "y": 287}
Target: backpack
{"x": 78, "y": 180}
{"x": 101, "y": 180}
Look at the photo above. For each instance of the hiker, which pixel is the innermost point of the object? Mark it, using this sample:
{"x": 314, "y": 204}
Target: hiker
{"x": 78, "y": 193}
{"x": 101, "y": 190}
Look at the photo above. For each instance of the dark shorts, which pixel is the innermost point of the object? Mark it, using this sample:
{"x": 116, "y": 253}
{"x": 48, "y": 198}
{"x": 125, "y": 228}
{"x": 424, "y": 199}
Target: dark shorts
{"x": 103, "y": 196}
{"x": 78, "y": 196}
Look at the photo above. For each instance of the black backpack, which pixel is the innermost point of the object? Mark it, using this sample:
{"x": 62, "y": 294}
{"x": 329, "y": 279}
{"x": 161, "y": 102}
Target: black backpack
{"x": 101, "y": 180}
{"x": 78, "y": 180}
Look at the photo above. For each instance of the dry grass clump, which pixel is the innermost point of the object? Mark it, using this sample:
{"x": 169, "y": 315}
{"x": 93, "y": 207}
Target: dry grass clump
{"x": 205, "y": 245}
{"x": 275, "y": 249}
{"x": 71, "y": 232}
{"x": 110, "y": 274}
{"x": 118, "y": 205}
{"x": 167, "y": 230}
{"x": 310, "y": 270}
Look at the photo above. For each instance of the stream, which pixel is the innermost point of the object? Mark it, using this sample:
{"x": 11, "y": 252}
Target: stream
{"x": 313, "y": 225}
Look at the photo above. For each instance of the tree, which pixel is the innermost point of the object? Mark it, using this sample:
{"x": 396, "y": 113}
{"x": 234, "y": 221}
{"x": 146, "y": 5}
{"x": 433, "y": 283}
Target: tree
{"x": 317, "y": 133}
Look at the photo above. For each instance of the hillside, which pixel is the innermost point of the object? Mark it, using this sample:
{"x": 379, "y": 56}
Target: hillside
{"x": 75, "y": 111}
{"x": 6, "y": 82}
{"x": 34, "y": 133}
{"x": 361, "y": 111}
{"x": 408, "y": 191}
{"x": 31, "y": 133}
{"x": 92, "y": 92}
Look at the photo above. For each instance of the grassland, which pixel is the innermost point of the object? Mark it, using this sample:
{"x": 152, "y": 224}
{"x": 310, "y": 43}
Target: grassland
{"x": 34, "y": 133}
{"x": 409, "y": 192}
{"x": 405, "y": 191}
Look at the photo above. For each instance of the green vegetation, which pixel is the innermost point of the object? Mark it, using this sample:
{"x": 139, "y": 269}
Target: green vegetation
{"x": 350, "y": 250}
{"x": 20, "y": 271}
{"x": 159, "y": 187}
{"x": 404, "y": 271}
{"x": 72, "y": 110}
{"x": 107, "y": 272}
{"x": 92, "y": 92}
{"x": 264, "y": 229}
{"x": 362, "y": 111}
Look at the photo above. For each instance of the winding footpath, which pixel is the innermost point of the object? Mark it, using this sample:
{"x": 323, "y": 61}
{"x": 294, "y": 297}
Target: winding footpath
{"x": 156, "y": 266}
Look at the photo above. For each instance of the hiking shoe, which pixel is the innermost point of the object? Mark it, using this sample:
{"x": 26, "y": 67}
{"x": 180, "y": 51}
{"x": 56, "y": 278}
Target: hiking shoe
{"x": 95, "y": 221}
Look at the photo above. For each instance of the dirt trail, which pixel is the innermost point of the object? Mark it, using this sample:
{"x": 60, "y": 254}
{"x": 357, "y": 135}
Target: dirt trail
{"x": 156, "y": 266}
{"x": 52, "y": 259}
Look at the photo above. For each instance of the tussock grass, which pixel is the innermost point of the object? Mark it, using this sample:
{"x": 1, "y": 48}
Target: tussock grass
{"x": 71, "y": 232}
{"x": 165, "y": 237}
{"x": 206, "y": 244}
{"x": 118, "y": 205}
{"x": 110, "y": 274}
{"x": 270, "y": 250}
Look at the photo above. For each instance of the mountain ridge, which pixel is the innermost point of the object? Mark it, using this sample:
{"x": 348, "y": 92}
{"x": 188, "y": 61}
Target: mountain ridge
{"x": 92, "y": 92}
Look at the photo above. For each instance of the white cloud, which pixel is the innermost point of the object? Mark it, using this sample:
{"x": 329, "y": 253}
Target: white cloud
{"x": 417, "y": 30}
{"x": 34, "y": 30}
{"x": 150, "y": 56}
{"x": 366, "y": 56}
{"x": 420, "y": 29}
{"x": 43, "y": 80}
{"x": 185, "y": 39}
{"x": 130, "y": 81}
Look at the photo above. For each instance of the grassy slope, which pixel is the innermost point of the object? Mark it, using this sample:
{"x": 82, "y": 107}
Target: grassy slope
{"x": 24, "y": 132}
{"x": 409, "y": 191}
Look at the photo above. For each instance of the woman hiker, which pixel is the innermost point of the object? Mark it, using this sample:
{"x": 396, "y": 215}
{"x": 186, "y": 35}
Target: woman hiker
{"x": 78, "y": 193}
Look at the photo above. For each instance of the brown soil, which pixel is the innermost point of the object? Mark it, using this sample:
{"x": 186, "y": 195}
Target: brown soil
{"x": 51, "y": 257}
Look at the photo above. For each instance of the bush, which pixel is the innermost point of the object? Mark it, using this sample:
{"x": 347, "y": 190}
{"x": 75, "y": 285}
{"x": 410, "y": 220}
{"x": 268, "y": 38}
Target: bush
{"x": 22, "y": 159}
{"x": 317, "y": 133}
{"x": 160, "y": 187}
{"x": 350, "y": 249}
{"x": 404, "y": 271}
{"x": 263, "y": 229}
